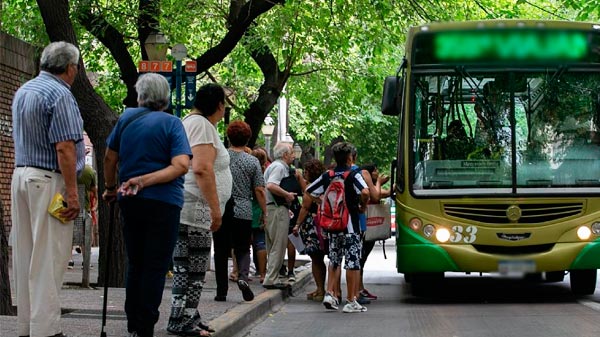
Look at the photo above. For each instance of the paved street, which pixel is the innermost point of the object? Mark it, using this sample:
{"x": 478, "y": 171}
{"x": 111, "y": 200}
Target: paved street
{"x": 462, "y": 306}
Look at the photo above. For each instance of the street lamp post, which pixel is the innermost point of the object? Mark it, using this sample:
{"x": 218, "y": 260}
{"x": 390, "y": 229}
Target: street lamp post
{"x": 156, "y": 46}
{"x": 267, "y": 130}
{"x": 297, "y": 154}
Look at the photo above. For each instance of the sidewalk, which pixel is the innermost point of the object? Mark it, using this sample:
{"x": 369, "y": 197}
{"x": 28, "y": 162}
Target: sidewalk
{"x": 82, "y": 308}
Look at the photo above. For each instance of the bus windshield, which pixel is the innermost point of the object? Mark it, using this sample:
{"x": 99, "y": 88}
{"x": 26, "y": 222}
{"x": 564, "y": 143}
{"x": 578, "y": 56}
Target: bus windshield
{"x": 508, "y": 132}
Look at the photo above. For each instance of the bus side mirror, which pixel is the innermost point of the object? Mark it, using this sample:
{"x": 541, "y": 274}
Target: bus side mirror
{"x": 392, "y": 87}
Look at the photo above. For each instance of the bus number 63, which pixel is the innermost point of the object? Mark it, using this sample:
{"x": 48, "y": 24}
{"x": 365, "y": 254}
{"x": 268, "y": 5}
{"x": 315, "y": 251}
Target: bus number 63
{"x": 463, "y": 234}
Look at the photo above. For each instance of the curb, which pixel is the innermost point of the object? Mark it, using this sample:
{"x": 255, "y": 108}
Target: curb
{"x": 244, "y": 315}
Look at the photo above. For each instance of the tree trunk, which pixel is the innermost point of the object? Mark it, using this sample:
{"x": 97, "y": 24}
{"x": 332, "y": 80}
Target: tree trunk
{"x": 328, "y": 155}
{"x": 6, "y": 308}
{"x": 98, "y": 122}
{"x": 269, "y": 91}
{"x": 260, "y": 108}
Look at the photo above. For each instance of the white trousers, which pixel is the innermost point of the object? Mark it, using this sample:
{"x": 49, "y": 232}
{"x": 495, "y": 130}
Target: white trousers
{"x": 41, "y": 251}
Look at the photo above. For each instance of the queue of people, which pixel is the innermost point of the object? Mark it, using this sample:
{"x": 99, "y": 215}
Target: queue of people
{"x": 179, "y": 191}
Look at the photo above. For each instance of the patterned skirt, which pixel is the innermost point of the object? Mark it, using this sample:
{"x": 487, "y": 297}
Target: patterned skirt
{"x": 313, "y": 237}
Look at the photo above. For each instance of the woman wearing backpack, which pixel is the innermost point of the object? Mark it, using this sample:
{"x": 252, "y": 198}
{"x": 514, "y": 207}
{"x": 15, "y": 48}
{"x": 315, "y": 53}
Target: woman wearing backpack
{"x": 312, "y": 236}
{"x": 344, "y": 243}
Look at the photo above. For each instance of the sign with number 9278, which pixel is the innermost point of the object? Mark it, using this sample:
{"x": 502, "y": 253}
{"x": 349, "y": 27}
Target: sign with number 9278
{"x": 463, "y": 234}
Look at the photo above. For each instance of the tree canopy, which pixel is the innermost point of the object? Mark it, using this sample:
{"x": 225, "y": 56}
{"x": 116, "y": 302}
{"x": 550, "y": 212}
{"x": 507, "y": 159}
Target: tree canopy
{"x": 330, "y": 56}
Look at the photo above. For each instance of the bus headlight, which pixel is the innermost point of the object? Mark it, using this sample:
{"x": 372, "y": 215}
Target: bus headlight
{"x": 596, "y": 228}
{"x": 584, "y": 233}
{"x": 415, "y": 224}
{"x": 442, "y": 235}
{"x": 428, "y": 230}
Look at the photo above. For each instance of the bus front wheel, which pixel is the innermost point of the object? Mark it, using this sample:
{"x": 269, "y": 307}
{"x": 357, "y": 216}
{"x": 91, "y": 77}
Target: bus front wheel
{"x": 583, "y": 281}
{"x": 555, "y": 276}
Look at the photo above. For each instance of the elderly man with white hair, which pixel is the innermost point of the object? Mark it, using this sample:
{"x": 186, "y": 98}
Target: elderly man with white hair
{"x": 49, "y": 153}
{"x": 278, "y": 216}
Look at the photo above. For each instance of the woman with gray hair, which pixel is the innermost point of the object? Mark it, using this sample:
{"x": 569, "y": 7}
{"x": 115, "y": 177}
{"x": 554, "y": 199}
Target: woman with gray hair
{"x": 152, "y": 153}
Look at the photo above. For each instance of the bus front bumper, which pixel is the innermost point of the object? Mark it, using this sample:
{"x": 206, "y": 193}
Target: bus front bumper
{"x": 414, "y": 254}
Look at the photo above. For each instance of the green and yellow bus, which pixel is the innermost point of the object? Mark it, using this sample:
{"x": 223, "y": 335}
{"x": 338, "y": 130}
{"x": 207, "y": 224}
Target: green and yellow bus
{"x": 498, "y": 160}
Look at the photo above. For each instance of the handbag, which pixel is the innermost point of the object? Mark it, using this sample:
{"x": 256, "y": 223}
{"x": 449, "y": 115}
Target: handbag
{"x": 289, "y": 184}
{"x": 378, "y": 222}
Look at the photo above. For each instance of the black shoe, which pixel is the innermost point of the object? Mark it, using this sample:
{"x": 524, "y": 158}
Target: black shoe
{"x": 283, "y": 271}
{"x": 220, "y": 298}
{"x": 192, "y": 332}
{"x": 275, "y": 286}
{"x": 60, "y": 334}
{"x": 246, "y": 291}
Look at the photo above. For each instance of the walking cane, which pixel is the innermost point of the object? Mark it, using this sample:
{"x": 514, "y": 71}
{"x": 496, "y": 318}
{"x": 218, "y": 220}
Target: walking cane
{"x": 111, "y": 224}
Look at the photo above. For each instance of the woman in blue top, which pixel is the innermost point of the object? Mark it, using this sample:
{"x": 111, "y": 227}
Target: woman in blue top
{"x": 152, "y": 152}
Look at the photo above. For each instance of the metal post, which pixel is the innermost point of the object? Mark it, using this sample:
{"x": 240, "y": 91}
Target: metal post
{"x": 179, "y": 52}
{"x": 87, "y": 250}
{"x": 178, "y": 75}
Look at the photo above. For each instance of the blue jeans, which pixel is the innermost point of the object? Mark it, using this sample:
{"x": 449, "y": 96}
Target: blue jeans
{"x": 150, "y": 232}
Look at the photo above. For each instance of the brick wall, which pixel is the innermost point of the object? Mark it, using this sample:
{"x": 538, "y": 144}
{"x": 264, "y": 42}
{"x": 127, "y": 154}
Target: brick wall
{"x": 18, "y": 64}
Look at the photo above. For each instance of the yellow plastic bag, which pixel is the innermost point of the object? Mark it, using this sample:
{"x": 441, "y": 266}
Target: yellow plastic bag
{"x": 56, "y": 206}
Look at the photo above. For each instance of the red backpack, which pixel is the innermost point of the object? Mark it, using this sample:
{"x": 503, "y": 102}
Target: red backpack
{"x": 334, "y": 212}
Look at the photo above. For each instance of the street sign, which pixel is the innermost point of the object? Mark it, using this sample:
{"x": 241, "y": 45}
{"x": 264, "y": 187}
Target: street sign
{"x": 190, "y": 89}
{"x": 166, "y": 66}
{"x": 190, "y": 67}
{"x": 179, "y": 51}
{"x": 144, "y": 66}
{"x": 176, "y": 76}
{"x": 155, "y": 66}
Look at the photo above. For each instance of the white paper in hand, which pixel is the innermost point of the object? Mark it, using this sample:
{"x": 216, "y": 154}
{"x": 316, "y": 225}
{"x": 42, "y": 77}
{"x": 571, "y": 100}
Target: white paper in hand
{"x": 297, "y": 242}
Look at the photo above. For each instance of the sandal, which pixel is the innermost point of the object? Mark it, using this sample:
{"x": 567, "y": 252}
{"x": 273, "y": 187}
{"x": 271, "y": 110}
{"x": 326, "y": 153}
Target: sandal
{"x": 233, "y": 277}
{"x": 318, "y": 297}
{"x": 205, "y": 327}
{"x": 310, "y": 295}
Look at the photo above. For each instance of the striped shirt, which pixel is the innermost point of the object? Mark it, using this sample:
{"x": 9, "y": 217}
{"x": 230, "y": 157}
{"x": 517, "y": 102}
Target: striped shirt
{"x": 44, "y": 112}
{"x": 319, "y": 186}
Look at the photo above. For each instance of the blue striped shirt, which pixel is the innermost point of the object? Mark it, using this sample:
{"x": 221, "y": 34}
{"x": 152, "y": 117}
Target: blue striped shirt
{"x": 44, "y": 112}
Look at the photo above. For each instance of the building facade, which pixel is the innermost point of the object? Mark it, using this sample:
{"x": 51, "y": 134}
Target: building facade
{"x": 18, "y": 64}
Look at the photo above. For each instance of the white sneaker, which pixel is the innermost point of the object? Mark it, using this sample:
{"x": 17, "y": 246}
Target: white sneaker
{"x": 354, "y": 307}
{"x": 330, "y": 302}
